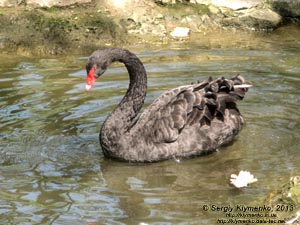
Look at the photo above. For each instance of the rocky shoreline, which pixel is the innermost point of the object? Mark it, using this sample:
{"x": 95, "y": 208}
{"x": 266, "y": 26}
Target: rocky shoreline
{"x": 56, "y": 27}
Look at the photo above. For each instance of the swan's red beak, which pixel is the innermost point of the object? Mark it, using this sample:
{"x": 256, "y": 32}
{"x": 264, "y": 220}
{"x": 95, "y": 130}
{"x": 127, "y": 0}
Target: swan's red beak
{"x": 91, "y": 79}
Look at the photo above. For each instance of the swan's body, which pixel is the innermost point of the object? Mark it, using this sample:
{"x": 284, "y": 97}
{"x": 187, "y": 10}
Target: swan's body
{"x": 185, "y": 121}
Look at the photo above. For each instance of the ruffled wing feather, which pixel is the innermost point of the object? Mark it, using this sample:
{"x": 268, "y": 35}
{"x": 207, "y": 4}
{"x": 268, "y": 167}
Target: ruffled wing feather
{"x": 187, "y": 105}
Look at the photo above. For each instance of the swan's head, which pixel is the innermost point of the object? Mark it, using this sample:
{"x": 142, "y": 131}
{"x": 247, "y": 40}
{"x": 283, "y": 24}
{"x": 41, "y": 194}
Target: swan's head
{"x": 95, "y": 67}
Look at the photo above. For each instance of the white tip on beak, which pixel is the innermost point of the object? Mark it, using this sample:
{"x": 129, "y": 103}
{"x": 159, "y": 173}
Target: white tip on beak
{"x": 88, "y": 87}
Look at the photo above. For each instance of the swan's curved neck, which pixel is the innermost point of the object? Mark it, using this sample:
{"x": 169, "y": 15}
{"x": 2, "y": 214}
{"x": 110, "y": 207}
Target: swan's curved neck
{"x": 120, "y": 119}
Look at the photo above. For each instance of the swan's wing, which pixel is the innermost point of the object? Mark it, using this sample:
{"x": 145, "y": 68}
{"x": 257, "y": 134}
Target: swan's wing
{"x": 184, "y": 106}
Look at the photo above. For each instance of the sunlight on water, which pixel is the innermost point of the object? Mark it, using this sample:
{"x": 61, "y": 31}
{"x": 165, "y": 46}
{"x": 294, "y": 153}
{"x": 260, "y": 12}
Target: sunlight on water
{"x": 52, "y": 170}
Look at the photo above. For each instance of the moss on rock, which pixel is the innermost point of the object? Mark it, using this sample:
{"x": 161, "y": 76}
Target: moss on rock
{"x": 55, "y": 30}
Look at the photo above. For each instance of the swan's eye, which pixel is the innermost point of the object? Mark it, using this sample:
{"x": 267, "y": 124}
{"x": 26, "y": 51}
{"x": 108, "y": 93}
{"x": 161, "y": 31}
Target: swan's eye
{"x": 88, "y": 67}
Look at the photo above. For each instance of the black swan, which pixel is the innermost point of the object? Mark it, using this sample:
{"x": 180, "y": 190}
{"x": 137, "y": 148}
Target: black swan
{"x": 185, "y": 121}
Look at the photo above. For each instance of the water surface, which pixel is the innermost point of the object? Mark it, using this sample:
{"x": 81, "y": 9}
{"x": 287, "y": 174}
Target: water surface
{"x": 52, "y": 170}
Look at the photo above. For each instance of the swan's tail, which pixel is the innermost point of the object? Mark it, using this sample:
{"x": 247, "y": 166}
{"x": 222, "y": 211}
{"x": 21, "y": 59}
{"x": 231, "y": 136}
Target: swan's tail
{"x": 240, "y": 86}
{"x": 221, "y": 94}
{"x": 233, "y": 89}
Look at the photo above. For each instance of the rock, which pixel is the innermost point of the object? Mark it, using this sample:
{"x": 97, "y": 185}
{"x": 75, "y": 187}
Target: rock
{"x": 191, "y": 21}
{"x": 293, "y": 192}
{"x": 180, "y": 32}
{"x": 258, "y": 19}
{"x": 214, "y": 10}
{"x": 202, "y": 2}
{"x": 9, "y": 3}
{"x": 50, "y": 3}
{"x": 163, "y": 2}
{"x": 236, "y": 4}
{"x": 84, "y": 27}
{"x": 286, "y": 8}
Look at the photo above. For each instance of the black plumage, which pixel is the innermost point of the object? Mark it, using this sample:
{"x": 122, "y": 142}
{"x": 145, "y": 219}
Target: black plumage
{"x": 183, "y": 122}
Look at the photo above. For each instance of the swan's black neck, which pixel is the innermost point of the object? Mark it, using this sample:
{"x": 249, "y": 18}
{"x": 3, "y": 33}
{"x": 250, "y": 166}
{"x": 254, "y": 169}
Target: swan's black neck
{"x": 120, "y": 119}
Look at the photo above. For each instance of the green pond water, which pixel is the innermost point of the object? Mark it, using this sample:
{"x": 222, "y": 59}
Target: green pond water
{"x": 52, "y": 170}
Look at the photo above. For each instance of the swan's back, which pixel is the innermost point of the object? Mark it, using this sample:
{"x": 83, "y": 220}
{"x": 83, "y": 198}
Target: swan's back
{"x": 191, "y": 120}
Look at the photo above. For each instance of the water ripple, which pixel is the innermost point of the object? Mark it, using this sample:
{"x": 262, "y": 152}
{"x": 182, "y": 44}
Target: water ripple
{"x": 52, "y": 169}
